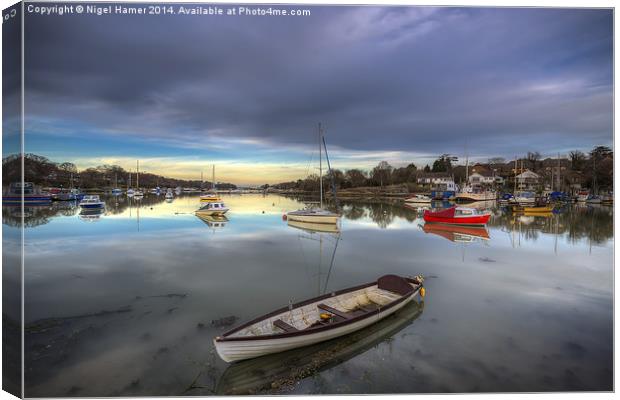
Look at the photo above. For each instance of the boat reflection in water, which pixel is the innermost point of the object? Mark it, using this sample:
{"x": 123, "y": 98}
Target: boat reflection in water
{"x": 213, "y": 221}
{"x": 314, "y": 227}
{"x": 456, "y": 233}
{"x": 91, "y": 214}
{"x": 283, "y": 370}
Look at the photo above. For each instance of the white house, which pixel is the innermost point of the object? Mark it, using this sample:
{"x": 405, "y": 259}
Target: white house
{"x": 528, "y": 180}
{"x": 484, "y": 178}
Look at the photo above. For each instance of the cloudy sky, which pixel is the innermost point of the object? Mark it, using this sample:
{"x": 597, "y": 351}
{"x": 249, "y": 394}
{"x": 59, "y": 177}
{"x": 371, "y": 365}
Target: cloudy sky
{"x": 388, "y": 83}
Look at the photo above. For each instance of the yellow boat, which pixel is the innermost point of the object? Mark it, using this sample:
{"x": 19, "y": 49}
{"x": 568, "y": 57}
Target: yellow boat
{"x": 210, "y": 198}
{"x": 537, "y": 210}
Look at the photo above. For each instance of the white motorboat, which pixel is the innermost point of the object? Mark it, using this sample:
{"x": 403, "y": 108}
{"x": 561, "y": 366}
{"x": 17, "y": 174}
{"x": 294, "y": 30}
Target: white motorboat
{"x": 91, "y": 201}
{"x": 212, "y": 208}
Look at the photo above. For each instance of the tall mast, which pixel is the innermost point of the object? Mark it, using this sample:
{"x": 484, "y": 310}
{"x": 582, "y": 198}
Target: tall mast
{"x": 213, "y": 185}
{"x": 138, "y": 174}
{"x": 320, "y": 167}
{"x": 466, "y": 165}
{"x": 552, "y": 180}
{"x": 201, "y": 180}
{"x": 515, "y": 191}
{"x": 594, "y": 189}
{"x": 129, "y": 183}
{"x": 559, "y": 174}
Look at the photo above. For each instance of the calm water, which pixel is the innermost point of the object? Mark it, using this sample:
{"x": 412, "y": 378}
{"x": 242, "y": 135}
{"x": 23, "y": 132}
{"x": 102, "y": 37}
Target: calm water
{"x": 127, "y": 303}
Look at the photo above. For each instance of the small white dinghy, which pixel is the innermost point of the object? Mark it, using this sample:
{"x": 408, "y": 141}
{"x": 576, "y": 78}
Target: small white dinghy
{"x": 318, "y": 319}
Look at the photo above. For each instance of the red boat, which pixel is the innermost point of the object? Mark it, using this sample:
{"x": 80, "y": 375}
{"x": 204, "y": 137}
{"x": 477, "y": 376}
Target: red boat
{"x": 458, "y": 215}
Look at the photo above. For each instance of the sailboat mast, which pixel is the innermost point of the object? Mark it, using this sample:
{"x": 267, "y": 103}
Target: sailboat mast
{"x": 213, "y": 178}
{"x": 515, "y": 191}
{"x": 466, "y": 165}
{"x": 137, "y": 174}
{"x": 320, "y": 167}
{"x": 559, "y": 174}
{"x": 594, "y": 188}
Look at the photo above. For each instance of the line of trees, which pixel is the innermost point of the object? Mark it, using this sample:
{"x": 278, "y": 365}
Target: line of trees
{"x": 44, "y": 172}
{"x": 595, "y": 167}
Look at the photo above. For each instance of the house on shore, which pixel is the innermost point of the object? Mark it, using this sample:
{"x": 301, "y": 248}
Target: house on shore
{"x": 528, "y": 181}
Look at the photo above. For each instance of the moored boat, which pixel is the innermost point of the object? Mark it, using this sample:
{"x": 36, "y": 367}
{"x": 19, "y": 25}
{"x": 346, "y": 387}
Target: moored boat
{"x": 419, "y": 199}
{"x": 91, "y": 201}
{"x": 470, "y": 193}
{"x": 32, "y": 195}
{"x": 524, "y": 198}
{"x": 582, "y": 195}
{"x": 458, "y": 215}
{"x": 536, "y": 209}
{"x": 313, "y": 215}
{"x": 318, "y": 319}
{"x": 212, "y": 208}
{"x": 314, "y": 227}
{"x": 259, "y": 374}
{"x": 211, "y": 197}
{"x": 319, "y": 214}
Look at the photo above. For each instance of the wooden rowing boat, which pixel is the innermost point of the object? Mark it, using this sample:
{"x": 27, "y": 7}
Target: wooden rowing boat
{"x": 318, "y": 319}
{"x": 276, "y": 371}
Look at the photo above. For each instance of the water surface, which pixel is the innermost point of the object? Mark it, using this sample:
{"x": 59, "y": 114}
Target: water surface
{"x": 127, "y": 303}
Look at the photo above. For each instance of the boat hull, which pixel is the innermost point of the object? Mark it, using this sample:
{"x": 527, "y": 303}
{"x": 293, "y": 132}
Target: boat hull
{"x": 212, "y": 212}
{"x": 31, "y": 200}
{"x": 238, "y": 350}
{"x": 313, "y": 227}
{"x": 92, "y": 206}
{"x": 418, "y": 201}
{"x": 316, "y": 219}
{"x": 466, "y": 197}
{"x": 473, "y": 220}
{"x": 442, "y": 194}
{"x": 535, "y": 210}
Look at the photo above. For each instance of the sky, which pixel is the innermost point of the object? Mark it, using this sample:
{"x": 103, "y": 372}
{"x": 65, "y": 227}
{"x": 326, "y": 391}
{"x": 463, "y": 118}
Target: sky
{"x": 401, "y": 84}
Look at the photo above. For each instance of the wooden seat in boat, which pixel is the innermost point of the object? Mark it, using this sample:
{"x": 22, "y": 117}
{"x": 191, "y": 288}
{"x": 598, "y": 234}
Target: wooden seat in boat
{"x": 334, "y": 311}
{"x": 394, "y": 284}
{"x": 284, "y": 326}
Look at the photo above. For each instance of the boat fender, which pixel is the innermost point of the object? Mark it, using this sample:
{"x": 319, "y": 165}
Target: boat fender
{"x": 422, "y": 292}
{"x": 325, "y": 316}
{"x": 284, "y": 217}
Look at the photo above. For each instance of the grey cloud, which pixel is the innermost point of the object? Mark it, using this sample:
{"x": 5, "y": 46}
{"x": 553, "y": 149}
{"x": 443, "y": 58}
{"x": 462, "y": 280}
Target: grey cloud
{"x": 410, "y": 79}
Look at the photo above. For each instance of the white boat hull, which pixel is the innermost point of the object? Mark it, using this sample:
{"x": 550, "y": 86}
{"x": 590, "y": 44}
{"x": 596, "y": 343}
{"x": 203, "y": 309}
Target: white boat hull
{"x": 317, "y": 219}
{"x": 524, "y": 200}
{"x": 476, "y": 196}
{"x": 416, "y": 200}
{"x": 238, "y": 350}
{"x": 309, "y": 226}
